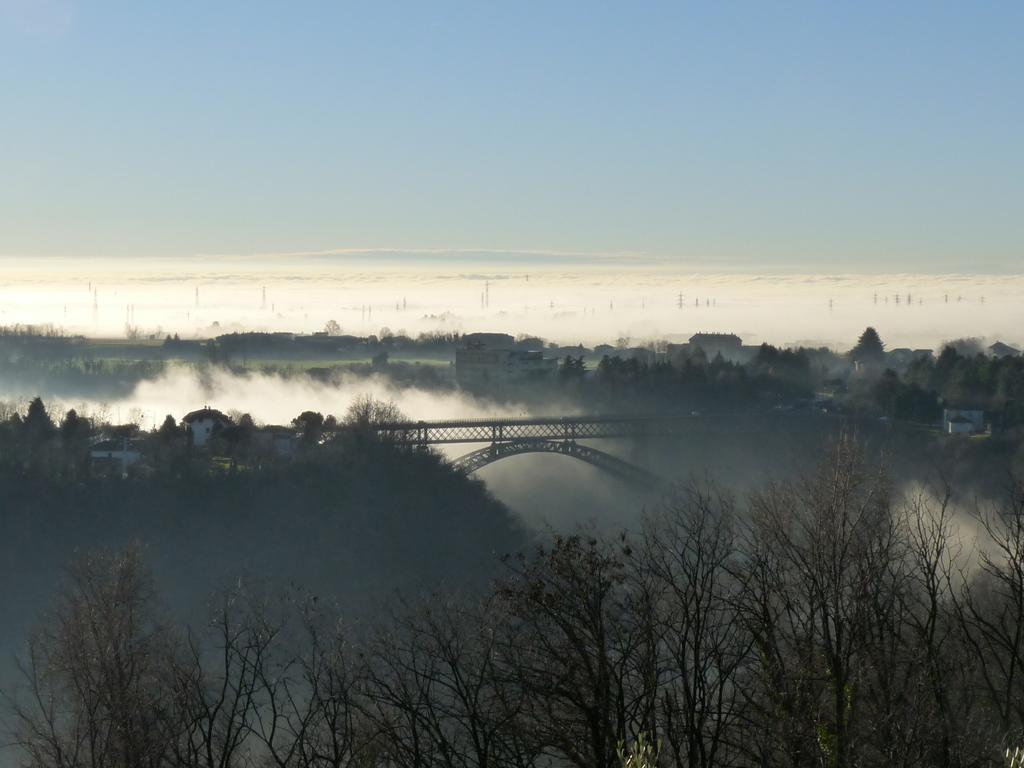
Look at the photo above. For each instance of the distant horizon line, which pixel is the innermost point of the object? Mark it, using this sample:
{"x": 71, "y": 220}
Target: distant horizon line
{"x": 537, "y": 257}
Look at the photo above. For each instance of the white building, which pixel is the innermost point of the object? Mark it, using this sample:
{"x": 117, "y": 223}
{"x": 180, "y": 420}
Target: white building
{"x": 958, "y": 425}
{"x": 963, "y": 421}
{"x": 204, "y": 424}
{"x": 115, "y": 451}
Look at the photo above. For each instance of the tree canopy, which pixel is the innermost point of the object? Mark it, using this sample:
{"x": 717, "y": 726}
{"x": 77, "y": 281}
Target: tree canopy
{"x": 869, "y": 346}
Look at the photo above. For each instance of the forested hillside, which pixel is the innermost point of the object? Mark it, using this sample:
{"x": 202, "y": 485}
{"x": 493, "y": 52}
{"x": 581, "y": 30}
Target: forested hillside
{"x": 350, "y": 524}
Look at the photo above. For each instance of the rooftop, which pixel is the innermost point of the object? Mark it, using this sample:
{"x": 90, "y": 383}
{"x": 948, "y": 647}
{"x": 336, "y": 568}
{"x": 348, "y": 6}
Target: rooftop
{"x": 732, "y": 338}
{"x": 205, "y": 413}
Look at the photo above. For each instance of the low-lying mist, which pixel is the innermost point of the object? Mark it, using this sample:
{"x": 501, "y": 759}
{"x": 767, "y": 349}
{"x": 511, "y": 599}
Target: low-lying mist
{"x": 269, "y": 398}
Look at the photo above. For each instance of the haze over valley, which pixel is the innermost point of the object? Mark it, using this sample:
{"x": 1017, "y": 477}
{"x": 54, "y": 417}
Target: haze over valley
{"x": 585, "y": 300}
{"x": 511, "y": 385}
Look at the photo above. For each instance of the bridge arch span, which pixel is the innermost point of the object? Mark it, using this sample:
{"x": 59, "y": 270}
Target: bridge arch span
{"x": 613, "y": 465}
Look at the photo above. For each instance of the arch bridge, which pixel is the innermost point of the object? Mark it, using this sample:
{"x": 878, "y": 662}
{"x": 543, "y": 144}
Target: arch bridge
{"x": 559, "y": 435}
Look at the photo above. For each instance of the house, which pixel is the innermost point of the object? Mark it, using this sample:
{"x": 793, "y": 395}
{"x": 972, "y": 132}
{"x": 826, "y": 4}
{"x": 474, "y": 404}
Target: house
{"x": 282, "y": 442}
{"x": 728, "y": 345}
{"x": 958, "y": 425}
{"x": 531, "y": 342}
{"x": 491, "y": 340}
{"x": 204, "y": 424}
{"x": 900, "y": 357}
{"x": 999, "y": 349}
{"x": 963, "y": 421}
{"x": 494, "y": 359}
{"x": 113, "y": 452}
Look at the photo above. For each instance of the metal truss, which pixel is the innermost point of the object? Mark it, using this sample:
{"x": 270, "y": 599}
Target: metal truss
{"x": 509, "y": 437}
{"x": 566, "y": 428}
{"x": 623, "y": 470}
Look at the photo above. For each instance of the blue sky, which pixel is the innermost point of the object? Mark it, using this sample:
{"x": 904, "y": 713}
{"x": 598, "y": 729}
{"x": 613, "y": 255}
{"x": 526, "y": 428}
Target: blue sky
{"x": 770, "y": 136}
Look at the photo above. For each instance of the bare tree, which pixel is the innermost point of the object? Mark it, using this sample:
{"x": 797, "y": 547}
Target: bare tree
{"x": 366, "y": 410}
{"x": 364, "y": 416}
{"x": 955, "y": 719}
{"x": 310, "y": 693}
{"x": 98, "y": 673}
{"x": 820, "y": 552}
{"x": 336, "y": 733}
{"x": 571, "y": 647}
{"x": 437, "y": 692}
{"x": 215, "y": 686}
{"x": 991, "y": 610}
{"x": 688, "y": 558}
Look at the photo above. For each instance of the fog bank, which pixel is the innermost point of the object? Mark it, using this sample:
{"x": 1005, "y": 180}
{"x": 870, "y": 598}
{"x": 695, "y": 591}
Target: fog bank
{"x": 268, "y": 398}
{"x": 586, "y": 303}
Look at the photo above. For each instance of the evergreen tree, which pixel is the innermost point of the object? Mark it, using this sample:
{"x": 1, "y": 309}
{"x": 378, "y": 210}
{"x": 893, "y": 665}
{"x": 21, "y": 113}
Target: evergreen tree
{"x": 38, "y": 425}
{"x": 169, "y": 431}
{"x": 869, "y": 346}
{"x": 73, "y": 426}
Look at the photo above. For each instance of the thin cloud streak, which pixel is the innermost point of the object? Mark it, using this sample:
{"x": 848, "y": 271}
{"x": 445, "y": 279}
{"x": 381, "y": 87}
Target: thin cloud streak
{"x": 632, "y": 256}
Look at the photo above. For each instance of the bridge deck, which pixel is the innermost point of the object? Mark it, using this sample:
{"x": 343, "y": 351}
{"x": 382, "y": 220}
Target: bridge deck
{"x": 533, "y": 428}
